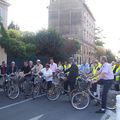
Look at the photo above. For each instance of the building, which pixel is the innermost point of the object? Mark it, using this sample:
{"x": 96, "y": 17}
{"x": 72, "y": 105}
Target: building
{"x": 3, "y": 18}
{"x": 74, "y": 20}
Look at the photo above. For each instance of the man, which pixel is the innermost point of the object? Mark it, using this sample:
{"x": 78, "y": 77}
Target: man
{"x": 106, "y": 79}
{"x": 73, "y": 74}
{"x": 13, "y": 68}
{"x": 38, "y": 67}
{"x": 27, "y": 76}
{"x": 84, "y": 67}
{"x": 31, "y": 64}
{"x": 53, "y": 66}
{"x": 116, "y": 71}
{"x": 3, "y": 68}
{"x": 3, "y": 72}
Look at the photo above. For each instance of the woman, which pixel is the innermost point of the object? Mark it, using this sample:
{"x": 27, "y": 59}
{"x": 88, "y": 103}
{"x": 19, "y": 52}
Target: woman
{"x": 47, "y": 73}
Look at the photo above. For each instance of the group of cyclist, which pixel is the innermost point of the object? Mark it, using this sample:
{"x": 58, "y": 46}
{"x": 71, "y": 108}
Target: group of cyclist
{"x": 102, "y": 73}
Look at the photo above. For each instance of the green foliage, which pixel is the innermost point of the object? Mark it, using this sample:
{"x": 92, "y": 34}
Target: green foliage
{"x": 46, "y": 43}
{"x": 110, "y": 56}
{"x": 99, "y": 37}
{"x": 13, "y": 26}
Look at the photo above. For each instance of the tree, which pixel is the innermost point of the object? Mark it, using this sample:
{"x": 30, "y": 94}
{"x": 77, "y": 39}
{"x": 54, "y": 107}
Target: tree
{"x": 71, "y": 46}
{"x": 110, "y": 56}
{"x": 99, "y": 37}
{"x": 49, "y": 43}
{"x": 13, "y": 26}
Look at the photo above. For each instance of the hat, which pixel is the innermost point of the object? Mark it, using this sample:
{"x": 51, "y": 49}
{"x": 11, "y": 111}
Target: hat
{"x": 38, "y": 60}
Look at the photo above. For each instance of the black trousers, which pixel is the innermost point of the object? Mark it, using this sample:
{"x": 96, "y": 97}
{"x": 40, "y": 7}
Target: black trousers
{"x": 70, "y": 82}
{"x": 106, "y": 86}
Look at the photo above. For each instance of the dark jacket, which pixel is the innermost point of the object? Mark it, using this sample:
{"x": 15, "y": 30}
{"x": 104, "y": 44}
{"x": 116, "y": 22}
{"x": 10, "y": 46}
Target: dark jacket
{"x": 73, "y": 71}
{"x": 3, "y": 69}
{"x": 15, "y": 69}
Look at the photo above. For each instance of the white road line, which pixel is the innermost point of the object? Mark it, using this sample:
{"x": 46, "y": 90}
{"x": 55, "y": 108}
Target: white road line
{"x": 37, "y": 117}
{"x": 109, "y": 115}
{"x": 14, "y": 104}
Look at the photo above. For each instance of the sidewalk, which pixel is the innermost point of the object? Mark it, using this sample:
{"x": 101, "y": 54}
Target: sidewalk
{"x": 109, "y": 115}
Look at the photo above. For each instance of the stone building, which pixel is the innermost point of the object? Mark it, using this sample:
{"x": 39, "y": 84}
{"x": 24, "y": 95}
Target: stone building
{"x": 3, "y": 18}
{"x": 74, "y": 20}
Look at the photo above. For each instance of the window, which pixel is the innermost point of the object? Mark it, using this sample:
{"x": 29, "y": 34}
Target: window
{"x": 0, "y": 13}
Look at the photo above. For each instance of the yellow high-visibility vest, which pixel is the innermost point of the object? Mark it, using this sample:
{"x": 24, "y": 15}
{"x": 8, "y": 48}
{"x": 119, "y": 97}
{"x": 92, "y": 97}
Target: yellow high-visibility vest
{"x": 117, "y": 77}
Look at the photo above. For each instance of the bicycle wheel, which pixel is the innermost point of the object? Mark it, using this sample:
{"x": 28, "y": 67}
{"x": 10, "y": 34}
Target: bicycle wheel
{"x": 35, "y": 90}
{"x": 80, "y": 100}
{"x": 53, "y": 93}
{"x": 111, "y": 99}
{"x": 13, "y": 91}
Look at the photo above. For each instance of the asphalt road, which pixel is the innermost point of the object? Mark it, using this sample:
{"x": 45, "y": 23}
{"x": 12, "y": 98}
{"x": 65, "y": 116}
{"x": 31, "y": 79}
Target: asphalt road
{"x": 43, "y": 109}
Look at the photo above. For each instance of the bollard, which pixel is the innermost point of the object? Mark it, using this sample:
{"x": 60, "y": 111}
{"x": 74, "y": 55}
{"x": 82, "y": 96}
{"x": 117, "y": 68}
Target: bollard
{"x": 118, "y": 107}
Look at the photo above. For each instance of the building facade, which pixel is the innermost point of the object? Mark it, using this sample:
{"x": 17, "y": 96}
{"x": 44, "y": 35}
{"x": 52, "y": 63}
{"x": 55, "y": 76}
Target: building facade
{"x": 3, "y": 18}
{"x": 74, "y": 20}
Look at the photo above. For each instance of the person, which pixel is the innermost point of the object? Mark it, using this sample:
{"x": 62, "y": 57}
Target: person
{"x": 106, "y": 80}
{"x": 53, "y": 66}
{"x": 3, "y": 72}
{"x": 73, "y": 74}
{"x": 60, "y": 67}
{"x": 13, "y": 68}
{"x": 84, "y": 67}
{"x": 31, "y": 64}
{"x": 116, "y": 72}
{"x": 95, "y": 68}
{"x": 66, "y": 65}
{"x": 3, "y": 68}
{"x": 48, "y": 75}
{"x": 26, "y": 69}
{"x": 38, "y": 67}
{"x": 27, "y": 76}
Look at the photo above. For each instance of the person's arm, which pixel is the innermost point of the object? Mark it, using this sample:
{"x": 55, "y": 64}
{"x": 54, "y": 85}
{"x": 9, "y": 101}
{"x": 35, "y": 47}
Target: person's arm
{"x": 68, "y": 70}
{"x": 118, "y": 73}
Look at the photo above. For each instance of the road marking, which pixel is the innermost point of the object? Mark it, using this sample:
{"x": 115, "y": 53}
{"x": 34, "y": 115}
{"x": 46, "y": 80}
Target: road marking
{"x": 109, "y": 115}
{"x": 37, "y": 117}
{"x": 14, "y": 104}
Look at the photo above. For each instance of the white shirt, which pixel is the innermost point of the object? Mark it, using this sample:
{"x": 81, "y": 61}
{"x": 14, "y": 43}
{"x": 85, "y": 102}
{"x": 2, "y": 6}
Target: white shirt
{"x": 107, "y": 69}
{"x": 37, "y": 68}
{"x": 47, "y": 73}
{"x": 60, "y": 68}
{"x": 53, "y": 67}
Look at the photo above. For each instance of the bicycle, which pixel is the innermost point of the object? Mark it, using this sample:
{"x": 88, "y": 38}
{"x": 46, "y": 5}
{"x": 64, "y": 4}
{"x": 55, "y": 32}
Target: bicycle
{"x": 10, "y": 86}
{"x": 81, "y": 99}
{"x": 61, "y": 79}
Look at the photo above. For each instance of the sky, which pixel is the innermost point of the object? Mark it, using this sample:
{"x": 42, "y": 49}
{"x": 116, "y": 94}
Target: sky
{"x": 32, "y": 15}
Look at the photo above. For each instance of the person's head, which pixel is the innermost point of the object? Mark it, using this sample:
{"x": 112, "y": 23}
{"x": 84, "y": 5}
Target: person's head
{"x": 71, "y": 60}
{"x": 51, "y": 60}
{"x": 59, "y": 63}
{"x": 26, "y": 63}
{"x": 47, "y": 66}
{"x": 95, "y": 63}
{"x": 113, "y": 63}
{"x": 117, "y": 63}
{"x": 38, "y": 62}
{"x": 13, "y": 63}
{"x": 3, "y": 63}
{"x": 30, "y": 63}
{"x": 103, "y": 59}
{"x": 65, "y": 62}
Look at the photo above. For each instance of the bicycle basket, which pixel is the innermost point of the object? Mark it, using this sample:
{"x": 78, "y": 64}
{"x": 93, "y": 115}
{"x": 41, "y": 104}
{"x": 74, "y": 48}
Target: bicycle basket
{"x": 82, "y": 84}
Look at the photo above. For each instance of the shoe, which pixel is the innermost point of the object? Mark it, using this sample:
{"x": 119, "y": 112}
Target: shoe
{"x": 101, "y": 111}
{"x": 97, "y": 104}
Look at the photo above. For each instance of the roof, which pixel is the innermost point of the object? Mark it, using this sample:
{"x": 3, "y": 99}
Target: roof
{"x": 89, "y": 11}
{"x": 4, "y": 2}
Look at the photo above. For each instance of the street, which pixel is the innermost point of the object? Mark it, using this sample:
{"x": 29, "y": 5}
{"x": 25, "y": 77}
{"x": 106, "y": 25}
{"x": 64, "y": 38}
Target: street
{"x": 43, "y": 109}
